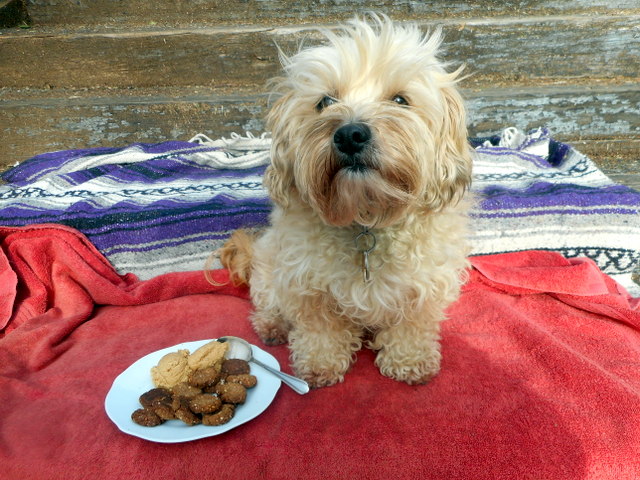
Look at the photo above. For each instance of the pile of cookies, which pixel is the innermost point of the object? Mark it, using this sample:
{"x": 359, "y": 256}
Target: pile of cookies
{"x": 205, "y": 391}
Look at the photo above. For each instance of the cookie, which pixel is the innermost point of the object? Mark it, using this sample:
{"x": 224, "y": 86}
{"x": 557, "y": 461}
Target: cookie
{"x": 235, "y": 366}
{"x": 219, "y": 418}
{"x": 146, "y": 417}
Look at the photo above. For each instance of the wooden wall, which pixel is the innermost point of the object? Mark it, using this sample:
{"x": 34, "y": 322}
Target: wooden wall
{"x": 110, "y": 72}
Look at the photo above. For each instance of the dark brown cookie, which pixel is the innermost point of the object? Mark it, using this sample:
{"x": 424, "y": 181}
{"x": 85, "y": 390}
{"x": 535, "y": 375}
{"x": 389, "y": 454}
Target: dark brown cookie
{"x": 246, "y": 380}
{"x": 155, "y": 397}
{"x": 165, "y": 412}
{"x": 204, "y": 403}
{"x": 204, "y": 377}
{"x": 184, "y": 413}
{"x": 219, "y": 418}
{"x": 235, "y": 366}
{"x": 146, "y": 417}
{"x": 231, "y": 392}
{"x": 185, "y": 390}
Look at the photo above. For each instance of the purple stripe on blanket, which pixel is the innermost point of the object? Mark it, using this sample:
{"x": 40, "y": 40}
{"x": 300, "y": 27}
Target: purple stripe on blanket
{"x": 213, "y": 237}
{"x": 146, "y": 202}
{"x": 182, "y": 226}
{"x": 47, "y": 163}
{"x": 20, "y": 213}
{"x": 550, "y": 195}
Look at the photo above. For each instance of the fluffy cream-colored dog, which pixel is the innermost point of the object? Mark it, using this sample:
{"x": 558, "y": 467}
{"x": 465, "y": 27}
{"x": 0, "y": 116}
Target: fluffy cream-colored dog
{"x": 369, "y": 166}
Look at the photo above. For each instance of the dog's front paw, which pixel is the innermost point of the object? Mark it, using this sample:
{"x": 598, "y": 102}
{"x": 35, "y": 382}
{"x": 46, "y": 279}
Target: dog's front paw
{"x": 272, "y": 330}
{"x": 319, "y": 368}
{"x": 413, "y": 370}
{"x": 272, "y": 336}
{"x": 317, "y": 379}
{"x": 322, "y": 359}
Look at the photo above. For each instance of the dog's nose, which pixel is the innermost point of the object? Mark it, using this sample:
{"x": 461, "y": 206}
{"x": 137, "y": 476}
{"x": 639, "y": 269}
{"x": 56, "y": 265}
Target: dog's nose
{"x": 352, "y": 138}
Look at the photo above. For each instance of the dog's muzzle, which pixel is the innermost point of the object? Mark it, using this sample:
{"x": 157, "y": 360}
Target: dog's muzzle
{"x": 351, "y": 141}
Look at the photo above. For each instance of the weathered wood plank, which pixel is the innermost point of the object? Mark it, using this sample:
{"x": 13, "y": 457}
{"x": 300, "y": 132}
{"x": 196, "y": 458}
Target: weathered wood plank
{"x": 160, "y": 59}
{"x": 152, "y": 71}
{"x": 39, "y": 123}
{"x": 582, "y": 110}
{"x": 545, "y": 50}
{"x": 619, "y": 158}
{"x": 57, "y": 124}
{"x": 517, "y": 53}
{"x": 109, "y": 14}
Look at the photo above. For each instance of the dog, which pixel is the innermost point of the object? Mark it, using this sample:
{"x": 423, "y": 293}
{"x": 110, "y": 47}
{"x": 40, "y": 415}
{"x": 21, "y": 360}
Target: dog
{"x": 369, "y": 178}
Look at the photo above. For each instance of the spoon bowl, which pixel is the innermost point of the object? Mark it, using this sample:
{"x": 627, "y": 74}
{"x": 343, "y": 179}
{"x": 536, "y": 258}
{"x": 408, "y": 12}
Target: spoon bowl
{"x": 240, "y": 348}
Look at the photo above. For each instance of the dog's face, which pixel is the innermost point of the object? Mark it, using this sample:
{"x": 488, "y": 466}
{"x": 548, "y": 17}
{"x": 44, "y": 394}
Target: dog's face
{"x": 369, "y": 127}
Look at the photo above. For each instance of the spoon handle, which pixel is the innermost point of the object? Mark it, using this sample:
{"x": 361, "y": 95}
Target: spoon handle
{"x": 297, "y": 384}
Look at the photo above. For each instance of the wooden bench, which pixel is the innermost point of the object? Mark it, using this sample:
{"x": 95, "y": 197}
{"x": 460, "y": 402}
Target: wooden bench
{"x": 109, "y": 73}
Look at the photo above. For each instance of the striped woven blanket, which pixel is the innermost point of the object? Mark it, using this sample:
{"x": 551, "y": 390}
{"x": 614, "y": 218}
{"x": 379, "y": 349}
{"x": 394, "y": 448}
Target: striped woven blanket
{"x": 158, "y": 208}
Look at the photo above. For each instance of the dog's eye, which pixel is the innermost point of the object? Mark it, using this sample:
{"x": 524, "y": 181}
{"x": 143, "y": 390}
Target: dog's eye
{"x": 400, "y": 100}
{"x": 325, "y": 102}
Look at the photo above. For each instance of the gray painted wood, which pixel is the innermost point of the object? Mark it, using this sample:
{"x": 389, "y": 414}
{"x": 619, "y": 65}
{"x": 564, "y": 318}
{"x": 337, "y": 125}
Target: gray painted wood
{"x": 106, "y": 73}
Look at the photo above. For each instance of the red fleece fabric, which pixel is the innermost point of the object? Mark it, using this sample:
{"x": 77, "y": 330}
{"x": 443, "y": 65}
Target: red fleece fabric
{"x": 540, "y": 378}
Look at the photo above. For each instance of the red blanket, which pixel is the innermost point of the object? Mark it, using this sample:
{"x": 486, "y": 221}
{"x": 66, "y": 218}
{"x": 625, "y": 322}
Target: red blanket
{"x": 540, "y": 378}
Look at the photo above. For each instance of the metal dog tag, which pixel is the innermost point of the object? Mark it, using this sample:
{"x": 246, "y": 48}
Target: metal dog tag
{"x": 365, "y": 267}
{"x": 365, "y": 243}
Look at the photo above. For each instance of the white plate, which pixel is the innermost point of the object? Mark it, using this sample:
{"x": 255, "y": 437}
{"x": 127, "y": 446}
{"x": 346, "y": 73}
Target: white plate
{"x": 122, "y": 399}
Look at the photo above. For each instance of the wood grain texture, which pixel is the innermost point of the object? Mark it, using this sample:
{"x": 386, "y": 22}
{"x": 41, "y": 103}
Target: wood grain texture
{"x": 573, "y": 114}
{"x": 531, "y": 52}
{"x": 118, "y": 121}
{"x": 566, "y": 110}
{"x": 112, "y": 72}
{"x": 118, "y": 14}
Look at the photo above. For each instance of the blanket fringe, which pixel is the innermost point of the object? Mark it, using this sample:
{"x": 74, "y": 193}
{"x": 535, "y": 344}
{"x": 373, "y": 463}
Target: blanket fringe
{"x": 242, "y": 151}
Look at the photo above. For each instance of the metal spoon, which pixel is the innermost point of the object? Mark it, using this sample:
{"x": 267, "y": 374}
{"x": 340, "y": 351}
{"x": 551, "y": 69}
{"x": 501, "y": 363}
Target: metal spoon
{"x": 240, "y": 348}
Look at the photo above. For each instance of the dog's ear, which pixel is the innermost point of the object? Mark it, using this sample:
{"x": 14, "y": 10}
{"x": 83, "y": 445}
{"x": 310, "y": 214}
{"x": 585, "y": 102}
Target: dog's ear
{"x": 453, "y": 163}
{"x": 278, "y": 177}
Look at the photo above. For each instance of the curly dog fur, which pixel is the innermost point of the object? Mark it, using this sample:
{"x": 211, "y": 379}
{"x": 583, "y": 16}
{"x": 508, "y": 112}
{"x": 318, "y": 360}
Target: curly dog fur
{"x": 369, "y": 133}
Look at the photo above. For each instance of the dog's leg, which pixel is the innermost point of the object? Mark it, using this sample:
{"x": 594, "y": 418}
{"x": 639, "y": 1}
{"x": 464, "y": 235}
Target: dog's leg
{"x": 270, "y": 326}
{"x": 410, "y": 350}
{"x": 267, "y": 319}
{"x": 323, "y": 346}
{"x": 236, "y": 255}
